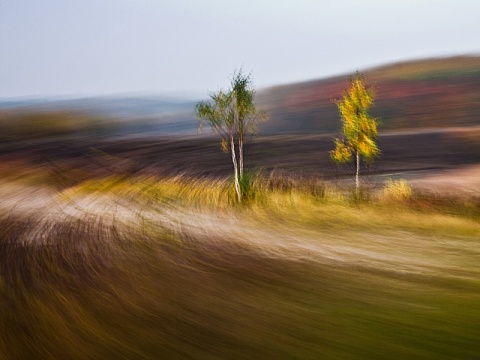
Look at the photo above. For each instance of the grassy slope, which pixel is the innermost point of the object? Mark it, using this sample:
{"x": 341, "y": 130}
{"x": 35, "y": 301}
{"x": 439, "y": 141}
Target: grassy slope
{"x": 419, "y": 94}
{"x": 163, "y": 269}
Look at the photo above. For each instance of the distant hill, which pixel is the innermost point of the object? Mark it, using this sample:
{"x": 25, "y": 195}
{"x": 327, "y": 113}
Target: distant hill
{"x": 123, "y": 115}
{"x": 423, "y": 94}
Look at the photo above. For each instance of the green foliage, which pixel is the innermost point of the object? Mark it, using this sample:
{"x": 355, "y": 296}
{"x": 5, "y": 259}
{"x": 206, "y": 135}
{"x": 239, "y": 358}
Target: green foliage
{"x": 247, "y": 186}
{"x": 233, "y": 115}
{"x": 218, "y": 114}
{"x": 232, "y": 112}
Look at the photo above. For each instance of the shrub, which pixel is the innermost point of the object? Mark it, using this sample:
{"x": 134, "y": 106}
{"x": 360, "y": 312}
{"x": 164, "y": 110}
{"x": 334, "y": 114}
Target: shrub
{"x": 360, "y": 195}
{"x": 397, "y": 190}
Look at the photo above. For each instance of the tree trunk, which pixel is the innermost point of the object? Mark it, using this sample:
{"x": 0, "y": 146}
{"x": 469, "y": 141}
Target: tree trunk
{"x": 235, "y": 170}
{"x": 357, "y": 172}
{"x": 240, "y": 156}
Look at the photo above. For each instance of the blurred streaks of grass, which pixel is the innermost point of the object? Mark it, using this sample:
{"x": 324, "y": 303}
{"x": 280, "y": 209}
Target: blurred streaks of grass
{"x": 300, "y": 272}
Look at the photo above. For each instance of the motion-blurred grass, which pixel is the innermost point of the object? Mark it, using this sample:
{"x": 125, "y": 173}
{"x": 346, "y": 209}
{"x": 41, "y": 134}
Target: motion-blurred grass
{"x": 300, "y": 271}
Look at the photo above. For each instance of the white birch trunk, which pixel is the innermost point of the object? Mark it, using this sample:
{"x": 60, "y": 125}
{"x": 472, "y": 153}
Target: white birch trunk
{"x": 240, "y": 155}
{"x": 235, "y": 170}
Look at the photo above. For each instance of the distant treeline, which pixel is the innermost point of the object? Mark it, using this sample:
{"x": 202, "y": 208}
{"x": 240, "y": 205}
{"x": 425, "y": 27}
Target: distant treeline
{"x": 30, "y": 124}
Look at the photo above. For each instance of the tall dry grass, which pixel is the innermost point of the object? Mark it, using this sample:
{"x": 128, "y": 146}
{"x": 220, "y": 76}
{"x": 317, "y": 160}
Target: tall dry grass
{"x": 148, "y": 268}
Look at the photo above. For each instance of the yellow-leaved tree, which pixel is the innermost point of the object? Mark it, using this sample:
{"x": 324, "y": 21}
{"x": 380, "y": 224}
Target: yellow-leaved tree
{"x": 359, "y": 129}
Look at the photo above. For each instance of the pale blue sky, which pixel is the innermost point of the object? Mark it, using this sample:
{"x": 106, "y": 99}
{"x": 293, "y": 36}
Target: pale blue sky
{"x": 99, "y": 47}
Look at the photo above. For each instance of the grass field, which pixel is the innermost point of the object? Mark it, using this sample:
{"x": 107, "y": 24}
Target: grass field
{"x": 121, "y": 246}
{"x": 170, "y": 268}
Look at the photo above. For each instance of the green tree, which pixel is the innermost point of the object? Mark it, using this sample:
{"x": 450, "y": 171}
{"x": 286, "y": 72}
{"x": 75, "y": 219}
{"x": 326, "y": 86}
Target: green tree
{"x": 233, "y": 115}
{"x": 359, "y": 129}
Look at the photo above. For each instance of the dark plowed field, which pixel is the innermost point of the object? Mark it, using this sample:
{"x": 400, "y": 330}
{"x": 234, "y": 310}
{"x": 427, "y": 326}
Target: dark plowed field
{"x": 402, "y": 154}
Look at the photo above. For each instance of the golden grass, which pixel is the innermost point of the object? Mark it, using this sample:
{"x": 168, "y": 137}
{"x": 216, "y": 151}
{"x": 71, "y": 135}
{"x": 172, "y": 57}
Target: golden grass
{"x": 394, "y": 206}
{"x": 298, "y": 271}
{"x": 188, "y": 190}
{"x": 397, "y": 191}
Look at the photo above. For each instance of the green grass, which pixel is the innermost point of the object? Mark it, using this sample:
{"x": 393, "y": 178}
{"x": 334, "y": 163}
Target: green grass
{"x": 299, "y": 272}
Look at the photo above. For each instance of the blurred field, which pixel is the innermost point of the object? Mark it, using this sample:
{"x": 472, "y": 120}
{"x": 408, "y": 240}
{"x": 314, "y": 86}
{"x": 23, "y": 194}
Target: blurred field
{"x": 408, "y": 154}
{"x": 118, "y": 244}
{"x": 142, "y": 266}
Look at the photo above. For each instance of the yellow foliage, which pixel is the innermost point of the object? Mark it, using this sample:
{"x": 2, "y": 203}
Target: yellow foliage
{"x": 341, "y": 153}
{"x": 397, "y": 190}
{"x": 358, "y": 127}
{"x": 224, "y": 145}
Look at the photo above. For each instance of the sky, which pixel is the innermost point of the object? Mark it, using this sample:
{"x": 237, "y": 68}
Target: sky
{"x": 77, "y": 48}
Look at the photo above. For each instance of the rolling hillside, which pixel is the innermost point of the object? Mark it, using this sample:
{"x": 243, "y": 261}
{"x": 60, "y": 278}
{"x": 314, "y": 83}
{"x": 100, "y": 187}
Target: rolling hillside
{"x": 421, "y": 94}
